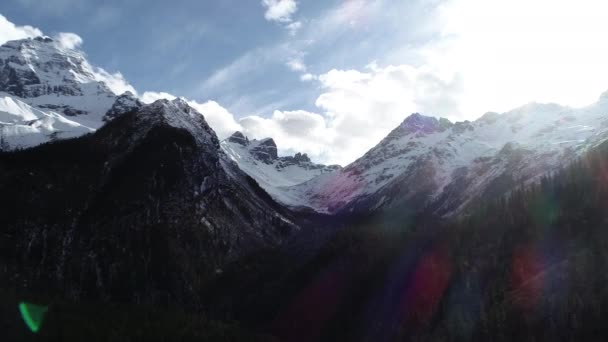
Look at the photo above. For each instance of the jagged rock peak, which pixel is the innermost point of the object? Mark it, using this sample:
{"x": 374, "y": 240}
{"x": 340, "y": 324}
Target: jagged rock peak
{"x": 44, "y": 39}
{"x": 177, "y": 113}
{"x": 124, "y": 103}
{"x": 38, "y": 66}
{"x": 417, "y": 123}
{"x": 172, "y": 110}
{"x": 301, "y": 157}
{"x": 239, "y": 138}
{"x": 265, "y": 150}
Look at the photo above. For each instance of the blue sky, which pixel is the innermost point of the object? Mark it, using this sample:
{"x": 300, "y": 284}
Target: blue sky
{"x": 333, "y": 77}
{"x": 175, "y": 46}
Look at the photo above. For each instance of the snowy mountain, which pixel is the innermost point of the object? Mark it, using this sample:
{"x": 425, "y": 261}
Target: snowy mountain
{"x": 49, "y": 92}
{"x": 259, "y": 159}
{"x": 444, "y": 165}
{"x": 145, "y": 209}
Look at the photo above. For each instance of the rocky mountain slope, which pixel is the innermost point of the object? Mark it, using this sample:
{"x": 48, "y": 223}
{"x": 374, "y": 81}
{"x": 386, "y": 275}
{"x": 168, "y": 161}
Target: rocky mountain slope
{"x": 259, "y": 159}
{"x": 429, "y": 162}
{"x": 145, "y": 210}
{"x": 50, "y": 92}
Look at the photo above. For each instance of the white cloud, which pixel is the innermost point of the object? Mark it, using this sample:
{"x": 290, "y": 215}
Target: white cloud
{"x": 218, "y": 117}
{"x": 68, "y": 40}
{"x": 508, "y": 53}
{"x": 361, "y": 108}
{"x": 293, "y": 131}
{"x": 356, "y": 110}
{"x": 10, "y": 31}
{"x": 307, "y": 77}
{"x": 487, "y": 55}
{"x": 115, "y": 81}
{"x": 294, "y": 27}
{"x": 296, "y": 64}
{"x": 279, "y": 10}
{"x": 151, "y": 96}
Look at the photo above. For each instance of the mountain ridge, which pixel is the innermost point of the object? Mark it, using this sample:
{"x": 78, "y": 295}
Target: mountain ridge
{"x": 425, "y": 156}
{"x": 145, "y": 210}
{"x": 260, "y": 160}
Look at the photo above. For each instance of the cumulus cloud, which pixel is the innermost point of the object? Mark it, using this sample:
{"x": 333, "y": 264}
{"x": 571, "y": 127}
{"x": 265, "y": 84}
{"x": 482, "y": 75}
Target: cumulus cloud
{"x": 218, "y": 117}
{"x": 293, "y": 131}
{"x": 356, "y": 109}
{"x": 362, "y": 107}
{"x": 279, "y": 10}
{"x": 10, "y": 31}
{"x": 485, "y": 55}
{"x": 508, "y": 53}
{"x": 68, "y": 40}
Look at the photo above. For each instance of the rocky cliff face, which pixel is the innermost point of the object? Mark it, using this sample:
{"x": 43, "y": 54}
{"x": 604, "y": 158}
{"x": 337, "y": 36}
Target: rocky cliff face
{"x": 146, "y": 209}
{"x": 264, "y": 150}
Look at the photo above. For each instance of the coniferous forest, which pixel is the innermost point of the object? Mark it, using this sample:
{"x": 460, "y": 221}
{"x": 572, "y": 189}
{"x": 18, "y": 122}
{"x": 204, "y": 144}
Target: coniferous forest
{"x": 529, "y": 266}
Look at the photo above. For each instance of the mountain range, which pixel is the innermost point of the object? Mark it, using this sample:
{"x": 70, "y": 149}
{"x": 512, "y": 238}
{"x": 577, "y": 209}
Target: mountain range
{"x": 110, "y": 199}
{"x": 50, "y": 92}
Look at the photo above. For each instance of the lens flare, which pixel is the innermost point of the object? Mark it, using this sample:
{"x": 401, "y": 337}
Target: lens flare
{"x": 32, "y": 315}
{"x": 428, "y": 284}
{"x": 527, "y": 277}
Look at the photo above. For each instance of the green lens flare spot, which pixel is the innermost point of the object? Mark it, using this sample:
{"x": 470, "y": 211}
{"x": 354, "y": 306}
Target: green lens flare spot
{"x": 32, "y": 315}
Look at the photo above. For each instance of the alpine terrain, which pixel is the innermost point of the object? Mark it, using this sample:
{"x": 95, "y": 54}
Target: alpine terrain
{"x": 259, "y": 159}
{"x": 132, "y": 221}
{"x": 429, "y": 162}
{"x": 50, "y": 92}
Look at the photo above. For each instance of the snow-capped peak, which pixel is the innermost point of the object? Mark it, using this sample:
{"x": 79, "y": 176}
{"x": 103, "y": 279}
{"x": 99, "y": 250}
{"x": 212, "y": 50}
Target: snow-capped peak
{"x": 264, "y": 150}
{"x": 260, "y": 160}
{"x": 177, "y": 113}
{"x": 39, "y": 66}
{"x": 51, "y": 92}
{"x": 419, "y": 124}
{"x": 426, "y": 160}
